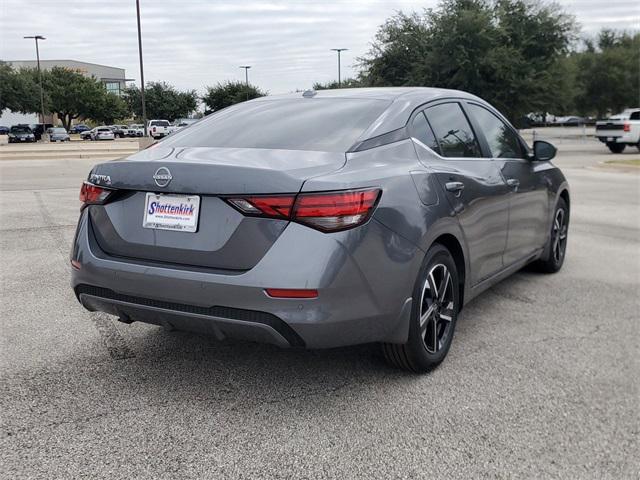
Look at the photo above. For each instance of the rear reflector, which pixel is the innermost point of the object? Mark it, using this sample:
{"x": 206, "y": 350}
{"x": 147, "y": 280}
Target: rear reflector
{"x": 291, "y": 293}
{"x": 91, "y": 194}
{"x": 325, "y": 211}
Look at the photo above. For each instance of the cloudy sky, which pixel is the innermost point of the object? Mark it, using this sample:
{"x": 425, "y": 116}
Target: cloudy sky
{"x": 193, "y": 43}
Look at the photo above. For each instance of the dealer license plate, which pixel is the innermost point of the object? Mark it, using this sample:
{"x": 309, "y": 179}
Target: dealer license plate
{"x": 171, "y": 212}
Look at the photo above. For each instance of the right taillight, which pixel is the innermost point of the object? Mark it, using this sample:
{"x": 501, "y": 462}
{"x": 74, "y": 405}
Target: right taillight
{"x": 325, "y": 211}
{"x": 91, "y": 194}
{"x": 626, "y": 127}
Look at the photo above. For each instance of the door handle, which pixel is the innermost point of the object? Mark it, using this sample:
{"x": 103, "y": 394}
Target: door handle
{"x": 456, "y": 187}
{"x": 513, "y": 182}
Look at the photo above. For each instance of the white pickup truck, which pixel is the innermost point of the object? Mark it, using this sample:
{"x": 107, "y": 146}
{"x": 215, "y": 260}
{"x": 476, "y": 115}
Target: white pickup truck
{"x": 620, "y": 130}
{"x": 160, "y": 128}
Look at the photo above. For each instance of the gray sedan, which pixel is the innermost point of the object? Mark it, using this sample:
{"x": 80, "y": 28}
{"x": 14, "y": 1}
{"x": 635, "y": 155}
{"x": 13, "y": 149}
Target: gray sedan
{"x": 322, "y": 219}
{"x": 58, "y": 135}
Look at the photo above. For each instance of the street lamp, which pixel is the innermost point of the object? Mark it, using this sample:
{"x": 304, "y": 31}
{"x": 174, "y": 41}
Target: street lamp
{"x": 246, "y": 77}
{"x": 339, "y": 50}
{"x": 36, "y": 38}
{"x": 144, "y": 108}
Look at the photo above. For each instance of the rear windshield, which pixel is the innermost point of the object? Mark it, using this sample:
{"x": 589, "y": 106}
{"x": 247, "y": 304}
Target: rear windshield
{"x": 317, "y": 124}
{"x": 160, "y": 123}
{"x": 20, "y": 130}
{"x": 104, "y": 130}
{"x": 58, "y": 130}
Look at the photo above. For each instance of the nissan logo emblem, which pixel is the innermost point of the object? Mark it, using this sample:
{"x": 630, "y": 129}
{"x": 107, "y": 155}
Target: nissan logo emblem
{"x": 162, "y": 177}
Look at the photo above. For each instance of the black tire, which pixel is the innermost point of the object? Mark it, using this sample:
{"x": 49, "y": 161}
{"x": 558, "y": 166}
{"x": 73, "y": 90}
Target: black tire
{"x": 616, "y": 147}
{"x": 557, "y": 247}
{"x": 429, "y": 341}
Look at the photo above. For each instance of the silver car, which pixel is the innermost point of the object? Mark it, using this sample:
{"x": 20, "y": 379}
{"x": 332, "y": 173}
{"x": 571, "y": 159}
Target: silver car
{"x": 58, "y": 134}
{"x": 322, "y": 219}
{"x": 102, "y": 133}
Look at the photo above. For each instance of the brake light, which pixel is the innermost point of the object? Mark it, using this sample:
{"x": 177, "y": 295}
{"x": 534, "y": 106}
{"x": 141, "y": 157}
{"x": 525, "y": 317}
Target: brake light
{"x": 325, "y": 211}
{"x": 626, "y": 127}
{"x": 91, "y": 194}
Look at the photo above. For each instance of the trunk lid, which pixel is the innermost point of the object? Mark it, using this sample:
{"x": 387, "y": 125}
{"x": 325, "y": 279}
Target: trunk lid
{"x": 224, "y": 239}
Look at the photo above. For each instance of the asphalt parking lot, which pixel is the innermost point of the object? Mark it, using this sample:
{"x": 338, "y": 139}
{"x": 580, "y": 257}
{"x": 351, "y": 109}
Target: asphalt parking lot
{"x": 541, "y": 380}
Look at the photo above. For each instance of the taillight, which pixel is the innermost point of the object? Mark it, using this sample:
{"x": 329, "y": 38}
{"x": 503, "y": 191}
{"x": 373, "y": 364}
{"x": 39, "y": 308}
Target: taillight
{"x": 626, "y": 127}
{"x": 91, "y": 194}
{"x": 325, "y": 211}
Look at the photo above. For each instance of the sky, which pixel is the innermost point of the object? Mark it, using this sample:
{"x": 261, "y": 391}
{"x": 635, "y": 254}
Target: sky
{"x": 195, "y": 43}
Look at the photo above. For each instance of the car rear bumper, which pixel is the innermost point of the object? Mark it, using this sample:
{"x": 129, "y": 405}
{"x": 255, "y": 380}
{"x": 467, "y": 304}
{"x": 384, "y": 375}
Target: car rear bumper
{"x": 359, "y": 300}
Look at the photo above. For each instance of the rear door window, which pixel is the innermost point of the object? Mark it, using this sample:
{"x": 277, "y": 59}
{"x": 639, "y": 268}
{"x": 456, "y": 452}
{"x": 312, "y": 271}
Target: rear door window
{"x": 452, "y": 130}
{"x": 502, "y": 141}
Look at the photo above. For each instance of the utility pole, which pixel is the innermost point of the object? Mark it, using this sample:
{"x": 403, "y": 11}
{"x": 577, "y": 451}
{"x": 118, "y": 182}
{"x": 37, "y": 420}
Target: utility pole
{"x": 36, "y": 38}
{"x": 144, "y": 106}
{"x": 246, "y": 77}
{"x": 339, "y": 50}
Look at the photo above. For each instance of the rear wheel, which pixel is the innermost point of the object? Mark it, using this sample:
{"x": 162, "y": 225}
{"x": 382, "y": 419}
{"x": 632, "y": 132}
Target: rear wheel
{"x": 616, "y": 147}
{"x": 433, "y": 315}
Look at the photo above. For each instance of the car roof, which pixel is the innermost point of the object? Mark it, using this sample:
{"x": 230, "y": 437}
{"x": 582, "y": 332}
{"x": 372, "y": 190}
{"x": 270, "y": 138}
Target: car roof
{"x": 403, "y": 101}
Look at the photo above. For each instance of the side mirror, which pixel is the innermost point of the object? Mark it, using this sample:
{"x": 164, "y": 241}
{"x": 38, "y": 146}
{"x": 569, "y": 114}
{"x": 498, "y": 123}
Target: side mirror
{"x": 543, "y": 151}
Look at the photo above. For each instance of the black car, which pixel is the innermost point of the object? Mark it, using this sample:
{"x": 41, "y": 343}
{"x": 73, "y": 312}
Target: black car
{"x": 21, "y": 134}
{"x": 39, "y": 129}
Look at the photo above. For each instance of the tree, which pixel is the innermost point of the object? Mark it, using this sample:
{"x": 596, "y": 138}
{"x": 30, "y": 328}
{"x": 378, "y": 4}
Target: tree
{"x": 347, "y": 83}
{"x": 228, "y": 93}
{"x": 19, "y": 89}
{"x": 162, "y": 101}
{"x": 71, "y": 95}
{"x": 607, "y": 74}
{"x": 505, "y": 51}
{"x": 108, "y": 108}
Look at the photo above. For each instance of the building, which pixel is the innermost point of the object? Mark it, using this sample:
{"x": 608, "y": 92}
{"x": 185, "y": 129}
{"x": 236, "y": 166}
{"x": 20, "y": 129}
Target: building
{"x": 114, "y": 78}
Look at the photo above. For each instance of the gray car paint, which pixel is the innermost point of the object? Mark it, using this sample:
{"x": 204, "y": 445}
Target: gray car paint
{"x": 365, "y": 275}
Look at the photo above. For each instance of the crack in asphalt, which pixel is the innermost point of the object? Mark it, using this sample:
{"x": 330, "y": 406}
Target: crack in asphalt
{"x": 109, "y": 334}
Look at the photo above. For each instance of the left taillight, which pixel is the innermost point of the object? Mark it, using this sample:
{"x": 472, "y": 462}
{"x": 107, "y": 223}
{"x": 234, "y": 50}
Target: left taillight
{"x": 324, "y": 211}
{"x": 626, "y": 127}
{"x": 91, "y": 194}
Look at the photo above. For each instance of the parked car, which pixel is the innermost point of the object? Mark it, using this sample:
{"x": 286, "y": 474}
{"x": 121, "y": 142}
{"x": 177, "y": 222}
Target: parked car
{"x": 135, "y": 130}
{"x": 58, "y": 134}
{"x": 21, "y": 134}
{"x": 620, "y": 130}
{"x": 39, "y": 129}
{"x": 569, "y": 121}
{"x": 160, "y": 128}
{"x": 4, "y": 130}
{"x": 79, "y": 128}
{"x": 373, "y": 220}
{"x": 119, "y": 131}
{"x": 87, "y": 134}
{"x": 103, "y": 133}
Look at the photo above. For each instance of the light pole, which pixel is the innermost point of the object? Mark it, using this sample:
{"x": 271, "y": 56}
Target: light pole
{"x": 246, "y": 77}
{"x": 36, "y": 38}
{"x": 144, "y": 107}
{"x": 339, "y": 50}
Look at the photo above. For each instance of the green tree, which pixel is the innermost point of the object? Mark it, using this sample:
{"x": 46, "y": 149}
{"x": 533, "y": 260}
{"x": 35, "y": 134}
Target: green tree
{"x": 346, "y": 83}
{"x": 608, "y": 74}
{"x": 163, "y": 101}
{"x": 505, "y": 51}
{"x": 19, "y": 89}
{"x": 71, "y": 95}
{"x": 108, "y": 108}
{"x": 224, "y": 94}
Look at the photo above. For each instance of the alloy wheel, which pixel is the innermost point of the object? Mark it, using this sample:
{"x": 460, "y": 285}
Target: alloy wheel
{"x": 559, "y": 235}
{"x": 437, "y": 308}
